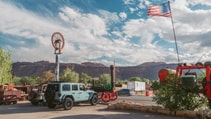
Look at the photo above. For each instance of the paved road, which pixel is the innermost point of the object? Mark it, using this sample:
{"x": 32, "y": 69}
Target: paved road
{"x": 24, "y": 110}
{"x": 146, "y": 100}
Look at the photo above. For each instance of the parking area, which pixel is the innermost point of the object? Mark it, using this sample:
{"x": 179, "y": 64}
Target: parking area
{"x": 25, "y": 110}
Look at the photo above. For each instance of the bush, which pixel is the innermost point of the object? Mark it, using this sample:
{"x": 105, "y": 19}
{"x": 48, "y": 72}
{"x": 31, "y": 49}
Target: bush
{"x": 173, "y": 96}
{"x": 28, "y": 80}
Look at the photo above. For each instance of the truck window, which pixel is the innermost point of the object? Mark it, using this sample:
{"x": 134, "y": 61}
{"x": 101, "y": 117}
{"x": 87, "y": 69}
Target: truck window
{"x": 82, "y": 87}
{"x": 54, "y": 87}
{"x": 66, "y": 87}
{"x": 74, "y": 87}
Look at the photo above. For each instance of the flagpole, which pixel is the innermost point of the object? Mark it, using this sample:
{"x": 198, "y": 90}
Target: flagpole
{"x": 175, "y": 39}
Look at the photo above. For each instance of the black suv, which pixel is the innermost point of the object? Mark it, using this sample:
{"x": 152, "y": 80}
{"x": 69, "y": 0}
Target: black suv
{"x": 67, "y": 94}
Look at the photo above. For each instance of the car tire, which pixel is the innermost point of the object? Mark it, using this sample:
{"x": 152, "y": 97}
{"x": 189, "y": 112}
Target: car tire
{"x": 68, "y": 103}
{"x": 94, "y": 100}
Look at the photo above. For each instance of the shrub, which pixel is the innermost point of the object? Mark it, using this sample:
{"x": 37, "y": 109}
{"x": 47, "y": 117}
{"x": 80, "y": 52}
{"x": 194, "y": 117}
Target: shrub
{"x": 173, "y": 96}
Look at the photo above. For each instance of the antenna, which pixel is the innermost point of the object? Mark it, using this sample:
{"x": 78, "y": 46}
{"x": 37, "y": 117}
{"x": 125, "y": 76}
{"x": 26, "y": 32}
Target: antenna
{"x": 205, "y": 54}
{"x": 200, "y": 58}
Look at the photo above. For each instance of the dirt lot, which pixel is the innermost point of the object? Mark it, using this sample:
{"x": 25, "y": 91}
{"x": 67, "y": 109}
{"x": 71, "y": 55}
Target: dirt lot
{"x": 25, "y": 110}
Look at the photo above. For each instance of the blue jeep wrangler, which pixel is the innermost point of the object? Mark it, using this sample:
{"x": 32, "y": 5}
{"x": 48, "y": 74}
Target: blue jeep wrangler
{"x": 66, "y": 94}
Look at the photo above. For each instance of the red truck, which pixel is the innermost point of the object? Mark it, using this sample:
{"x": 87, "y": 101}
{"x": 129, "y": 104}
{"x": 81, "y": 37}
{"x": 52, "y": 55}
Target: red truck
{"x": 9, "y": 95}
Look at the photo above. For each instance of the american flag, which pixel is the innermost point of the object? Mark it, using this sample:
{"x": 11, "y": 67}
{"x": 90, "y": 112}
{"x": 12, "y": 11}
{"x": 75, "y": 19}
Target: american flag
{"x": 160, "y": 10}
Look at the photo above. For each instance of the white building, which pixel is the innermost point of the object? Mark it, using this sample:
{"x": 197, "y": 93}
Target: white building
{"x": 136, "y": 85}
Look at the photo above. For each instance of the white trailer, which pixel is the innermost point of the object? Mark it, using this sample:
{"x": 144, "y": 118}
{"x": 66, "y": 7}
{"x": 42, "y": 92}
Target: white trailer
{"x": 136, "y": 85}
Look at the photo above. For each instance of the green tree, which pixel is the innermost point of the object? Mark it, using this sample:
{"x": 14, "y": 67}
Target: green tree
{"x": 135, "y": 79}
{"x": 5, "y": 67}
{"x": 45, "y": 77}
{"x": 119, "y": 81}
{"x": 104, "y": 82}
{"x": 17, "y": 80}
{"x": 28, "y": 80}
{"x": 105, "y": 79}
{"x": 85, "y": 78}
{"x": 69, "y": 75}
{"x": 145, "y": 80}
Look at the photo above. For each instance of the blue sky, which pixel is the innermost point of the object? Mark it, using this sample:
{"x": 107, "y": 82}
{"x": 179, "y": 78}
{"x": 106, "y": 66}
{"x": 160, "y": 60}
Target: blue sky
{"x": 105, "y": 30}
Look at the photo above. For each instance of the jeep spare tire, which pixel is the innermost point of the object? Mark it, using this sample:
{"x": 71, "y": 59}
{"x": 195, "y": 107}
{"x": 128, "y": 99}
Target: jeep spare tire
{"x": 49, "y": 94}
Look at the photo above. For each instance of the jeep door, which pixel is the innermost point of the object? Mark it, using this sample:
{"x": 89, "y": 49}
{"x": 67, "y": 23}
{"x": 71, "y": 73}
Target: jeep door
{"x": 75, "y": 92}
{"x": 83, "y": 94}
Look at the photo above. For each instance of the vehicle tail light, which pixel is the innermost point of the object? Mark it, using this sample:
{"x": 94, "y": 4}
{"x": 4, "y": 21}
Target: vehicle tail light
{"x": 59, "y": 94}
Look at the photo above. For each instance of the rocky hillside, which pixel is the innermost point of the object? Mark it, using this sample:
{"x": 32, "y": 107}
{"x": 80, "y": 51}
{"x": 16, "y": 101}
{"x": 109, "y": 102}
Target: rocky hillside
{"x": 146, "y": 70}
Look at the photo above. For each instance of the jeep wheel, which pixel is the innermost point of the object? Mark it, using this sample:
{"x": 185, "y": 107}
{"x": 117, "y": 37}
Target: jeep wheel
{"x": 94, "y": 100}
{"x": 68, "y": 103}
{"x": 51, "y": 105}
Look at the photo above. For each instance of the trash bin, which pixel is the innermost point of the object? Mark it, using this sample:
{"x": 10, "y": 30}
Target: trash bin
{"x": 147, "y": 93}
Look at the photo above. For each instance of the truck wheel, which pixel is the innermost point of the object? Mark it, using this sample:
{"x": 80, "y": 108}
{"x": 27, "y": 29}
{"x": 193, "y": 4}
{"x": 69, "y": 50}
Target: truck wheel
{"x": 94, "y": 100}
{"x": 68, "y": 103}
{"x": 51, "y": 105}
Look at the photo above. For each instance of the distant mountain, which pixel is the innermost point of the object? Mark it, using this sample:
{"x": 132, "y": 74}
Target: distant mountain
{"x": 147, "y": 70}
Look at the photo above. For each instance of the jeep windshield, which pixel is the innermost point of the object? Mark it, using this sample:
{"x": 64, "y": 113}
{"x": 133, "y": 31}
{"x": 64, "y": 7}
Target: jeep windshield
{"x": 54, "y": 87}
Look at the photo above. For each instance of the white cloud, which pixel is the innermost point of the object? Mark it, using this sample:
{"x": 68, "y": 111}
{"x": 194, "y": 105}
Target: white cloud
{"x": 123, "y": 15}
{"x": 189, "y": 26}
{"x": 141, "y": 5}
{"x": 203, "y": 2}
{"x": 192, "y": 26}
{"x": 110, "y": 18}
{"x": 85, "y": 22}
{"x": 129, "y": 2}
{"x": 88, "y": 36}
{"x": 29, "y": 26}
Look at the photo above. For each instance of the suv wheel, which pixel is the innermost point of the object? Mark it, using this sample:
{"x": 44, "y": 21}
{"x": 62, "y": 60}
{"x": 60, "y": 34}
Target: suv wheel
{"x": 68, "y": 103}
{"x": 94, "y": 100}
